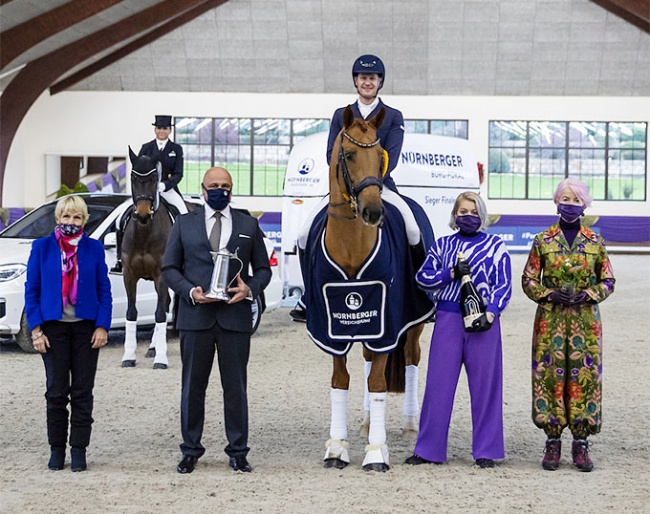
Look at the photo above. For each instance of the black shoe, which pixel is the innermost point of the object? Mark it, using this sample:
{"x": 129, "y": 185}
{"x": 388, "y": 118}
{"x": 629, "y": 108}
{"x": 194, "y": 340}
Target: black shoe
{"x": 416, "y": 460}
{"x": 117, "y": 267}
{"x": 187, "y": 464}
{"x": 240, "y": 464}
{"x": 57, "y": 458}
{"x": 298, "y": 314}
{"x": 78, "y": 459}
{"x": 484, "y": 463}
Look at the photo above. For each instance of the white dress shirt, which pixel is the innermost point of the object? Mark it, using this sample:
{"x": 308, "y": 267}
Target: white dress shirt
{"x": 364, "y": 109}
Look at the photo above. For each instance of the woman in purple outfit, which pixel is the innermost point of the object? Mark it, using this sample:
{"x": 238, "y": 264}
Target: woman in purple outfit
{"x": 488, "y": 264}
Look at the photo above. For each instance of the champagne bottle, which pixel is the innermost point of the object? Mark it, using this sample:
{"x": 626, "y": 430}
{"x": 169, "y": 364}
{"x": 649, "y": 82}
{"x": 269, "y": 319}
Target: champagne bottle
{"x": 471, "y": 303}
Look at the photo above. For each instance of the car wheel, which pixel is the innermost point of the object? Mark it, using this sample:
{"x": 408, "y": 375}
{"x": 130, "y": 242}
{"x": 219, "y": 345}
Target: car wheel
{"x": 257, "y": 310}
{"x": 24, "y": 336}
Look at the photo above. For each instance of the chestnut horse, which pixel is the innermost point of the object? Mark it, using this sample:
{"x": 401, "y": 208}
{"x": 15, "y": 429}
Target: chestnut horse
{"x": 354, "y": 214}
{"x": 143, "y": 245}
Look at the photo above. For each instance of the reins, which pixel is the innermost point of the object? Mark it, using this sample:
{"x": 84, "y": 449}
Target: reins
{"x": 352, "y": 191}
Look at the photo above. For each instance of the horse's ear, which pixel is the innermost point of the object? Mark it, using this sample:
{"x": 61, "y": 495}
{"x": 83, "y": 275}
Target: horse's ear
{"x": 348, "y": 117}
{"x": 379, "y": 119}
{"x": 132, "y": 156}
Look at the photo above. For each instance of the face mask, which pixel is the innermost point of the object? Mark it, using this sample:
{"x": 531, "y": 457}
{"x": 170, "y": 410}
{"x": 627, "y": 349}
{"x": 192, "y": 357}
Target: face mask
{"x": 218, "y": 198}
{"x": 570, "y": 212}
{"x": 468, "y": 223}
{"x": 67, "y": 229}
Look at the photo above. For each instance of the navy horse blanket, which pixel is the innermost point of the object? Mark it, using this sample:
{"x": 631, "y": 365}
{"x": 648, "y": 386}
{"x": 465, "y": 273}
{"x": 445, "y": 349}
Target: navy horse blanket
{"x": 374, "y": 307}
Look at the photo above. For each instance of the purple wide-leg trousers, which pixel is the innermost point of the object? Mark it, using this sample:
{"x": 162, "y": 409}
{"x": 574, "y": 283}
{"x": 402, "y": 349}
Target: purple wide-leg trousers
{"x": 451, "y": 347}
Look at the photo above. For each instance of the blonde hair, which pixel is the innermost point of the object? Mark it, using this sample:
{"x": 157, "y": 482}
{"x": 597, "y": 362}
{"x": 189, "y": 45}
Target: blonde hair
{"x": 481, "y": 209}
{"x": 72, "y": 205}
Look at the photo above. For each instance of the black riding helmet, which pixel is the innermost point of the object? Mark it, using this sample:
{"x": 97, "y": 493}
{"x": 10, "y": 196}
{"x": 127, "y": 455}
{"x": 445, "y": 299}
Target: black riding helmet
{"x": 369, "y": 64}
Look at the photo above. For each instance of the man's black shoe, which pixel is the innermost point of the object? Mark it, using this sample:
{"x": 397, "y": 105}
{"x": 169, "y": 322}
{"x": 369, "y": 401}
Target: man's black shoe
{"x": 298, "y": 314}
{"x": 240, "y": 464}
{"x": 187, "y": 464}
{"x": 117, "y": 267}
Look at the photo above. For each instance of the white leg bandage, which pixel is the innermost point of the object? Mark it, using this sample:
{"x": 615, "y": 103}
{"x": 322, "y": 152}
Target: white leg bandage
{"x": 339, "y": 421}
{"x": 366, "y": 399}
{"x": 377, "y": 434}
{"x": 159, "y": 339}
{"x": 130, "y": 341}
{"x": 411, "y": 404}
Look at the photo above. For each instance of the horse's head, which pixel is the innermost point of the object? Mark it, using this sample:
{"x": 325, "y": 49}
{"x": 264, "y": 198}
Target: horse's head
{"x": 144, "y": 185}
{"x": 360, "y": 165}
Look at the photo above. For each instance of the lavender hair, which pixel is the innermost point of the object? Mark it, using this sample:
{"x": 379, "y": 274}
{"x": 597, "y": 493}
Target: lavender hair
{"x": 579, "y": 189}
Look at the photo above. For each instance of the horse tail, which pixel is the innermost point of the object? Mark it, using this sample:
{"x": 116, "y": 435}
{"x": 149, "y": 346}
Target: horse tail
{"x": 395, "y": 372}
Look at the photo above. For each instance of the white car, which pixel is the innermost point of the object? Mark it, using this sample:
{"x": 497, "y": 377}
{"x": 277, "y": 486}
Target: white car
{"x": 105, "y": 210}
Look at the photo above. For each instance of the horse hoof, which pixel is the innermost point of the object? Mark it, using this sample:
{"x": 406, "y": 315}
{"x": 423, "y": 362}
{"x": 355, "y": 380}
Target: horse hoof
{"x": 379, "y": 467}
{"x": 159, "y": 365}
{"x": 334, "y": 463}
{"x": 128, "y": 364}
{"x": 151, "y": 353}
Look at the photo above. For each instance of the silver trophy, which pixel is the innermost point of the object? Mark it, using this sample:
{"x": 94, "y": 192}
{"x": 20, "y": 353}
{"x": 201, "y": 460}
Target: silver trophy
{"x": 219, "y": 283}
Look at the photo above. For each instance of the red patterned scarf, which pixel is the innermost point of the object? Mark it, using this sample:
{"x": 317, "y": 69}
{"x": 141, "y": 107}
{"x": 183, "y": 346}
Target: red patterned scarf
{"x": 68, "y": 245}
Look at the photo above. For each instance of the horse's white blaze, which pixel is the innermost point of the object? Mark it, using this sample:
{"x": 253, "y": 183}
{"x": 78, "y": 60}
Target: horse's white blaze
{"x": 130, "y": 341}
{"x": 159, "y": 339}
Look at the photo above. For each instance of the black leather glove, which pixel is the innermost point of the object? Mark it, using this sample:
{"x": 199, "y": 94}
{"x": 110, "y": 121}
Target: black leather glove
{"x": 481, "y": 324}
{"x": 461, "y": 269}
{"x": 561, "y": 298}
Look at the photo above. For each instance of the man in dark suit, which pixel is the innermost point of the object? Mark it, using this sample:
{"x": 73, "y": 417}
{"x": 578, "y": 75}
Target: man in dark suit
{"x": 207, "y": 325}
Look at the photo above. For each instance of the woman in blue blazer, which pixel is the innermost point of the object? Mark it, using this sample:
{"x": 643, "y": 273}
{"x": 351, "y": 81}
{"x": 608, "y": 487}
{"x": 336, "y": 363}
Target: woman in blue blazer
{"x": 68, "y": 305}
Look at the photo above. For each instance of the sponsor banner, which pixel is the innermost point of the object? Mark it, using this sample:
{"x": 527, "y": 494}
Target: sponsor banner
{"x": 355, "y": 310}
{"x": 436, "y": 161}
{"x": 519, "y": 238}
{"x": 307, "y": 170}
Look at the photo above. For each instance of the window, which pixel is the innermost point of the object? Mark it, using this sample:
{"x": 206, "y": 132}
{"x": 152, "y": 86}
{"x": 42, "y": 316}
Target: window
{"x": 527, "y": 159}
{"x": 256, "y": 150}
{"x": 449, "y": 128}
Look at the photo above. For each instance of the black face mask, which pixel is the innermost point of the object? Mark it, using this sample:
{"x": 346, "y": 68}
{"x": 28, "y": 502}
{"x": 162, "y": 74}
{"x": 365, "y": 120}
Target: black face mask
{"x": 217, "y": 198}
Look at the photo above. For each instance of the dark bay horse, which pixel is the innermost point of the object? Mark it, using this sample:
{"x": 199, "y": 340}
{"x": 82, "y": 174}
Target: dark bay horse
{"x": 354, "y": 215}
{"x": 143, "y": 245}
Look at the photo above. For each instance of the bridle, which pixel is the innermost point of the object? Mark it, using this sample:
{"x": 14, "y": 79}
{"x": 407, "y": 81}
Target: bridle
{"x": 351, "y": 190}
{"x": 142, "y": 177}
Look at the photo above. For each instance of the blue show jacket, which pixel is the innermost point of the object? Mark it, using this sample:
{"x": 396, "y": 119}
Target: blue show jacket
{"x": 390, "y": 134}
{"x": 43, "y": 301}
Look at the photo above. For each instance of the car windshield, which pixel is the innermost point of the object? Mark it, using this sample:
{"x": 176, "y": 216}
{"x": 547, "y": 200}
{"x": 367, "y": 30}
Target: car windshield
{"x": 40, "y": 222}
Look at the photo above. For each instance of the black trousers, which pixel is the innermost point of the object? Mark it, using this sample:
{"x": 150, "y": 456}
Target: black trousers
{"x": 70, "y": 367}
{"x": 197, "y": 354}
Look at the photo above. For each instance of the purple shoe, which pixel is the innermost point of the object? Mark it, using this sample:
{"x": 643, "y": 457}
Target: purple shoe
{"x": 552, "y": 452}
{"x": 580, "y": 451}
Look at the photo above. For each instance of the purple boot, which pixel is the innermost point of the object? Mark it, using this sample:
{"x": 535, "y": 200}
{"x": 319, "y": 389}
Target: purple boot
{"x": 552, "y": 452}
{"x": 580, "y": 451}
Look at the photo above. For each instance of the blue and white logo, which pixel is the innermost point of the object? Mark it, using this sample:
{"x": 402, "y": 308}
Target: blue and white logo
{"x": 305, "y": 166}
{"x": 353, "y": 301}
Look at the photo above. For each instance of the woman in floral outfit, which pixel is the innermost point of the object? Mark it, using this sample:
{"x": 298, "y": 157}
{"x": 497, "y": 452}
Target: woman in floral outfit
{"x": 568, "y": 273}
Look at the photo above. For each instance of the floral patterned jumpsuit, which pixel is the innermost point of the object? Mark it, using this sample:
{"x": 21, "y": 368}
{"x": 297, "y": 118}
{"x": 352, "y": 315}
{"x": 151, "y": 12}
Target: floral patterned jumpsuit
{"x": 567, "y": 341}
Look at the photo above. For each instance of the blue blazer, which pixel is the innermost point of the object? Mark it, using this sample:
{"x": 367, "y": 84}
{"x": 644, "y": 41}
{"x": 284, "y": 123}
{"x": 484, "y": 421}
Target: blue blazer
{"x": 171, "y": 159}
{"x": 390, "y": 134}
{"x": 43, "y": 300}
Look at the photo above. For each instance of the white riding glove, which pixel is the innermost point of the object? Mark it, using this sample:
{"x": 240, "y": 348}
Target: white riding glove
{"x": 161, "y": 187}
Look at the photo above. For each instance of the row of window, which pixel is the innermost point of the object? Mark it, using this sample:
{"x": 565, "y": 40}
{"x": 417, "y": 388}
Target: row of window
{"x": 526, "y": 158}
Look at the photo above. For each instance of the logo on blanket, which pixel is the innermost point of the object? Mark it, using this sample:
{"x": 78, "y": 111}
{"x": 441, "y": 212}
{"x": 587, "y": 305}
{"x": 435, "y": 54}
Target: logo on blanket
{"x": 353, "y": 301}
{"x": 355, "y": 310}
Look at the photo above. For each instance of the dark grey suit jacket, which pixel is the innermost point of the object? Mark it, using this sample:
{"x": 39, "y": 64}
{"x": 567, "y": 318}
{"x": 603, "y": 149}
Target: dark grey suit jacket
{"x": 187, "y": 263}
